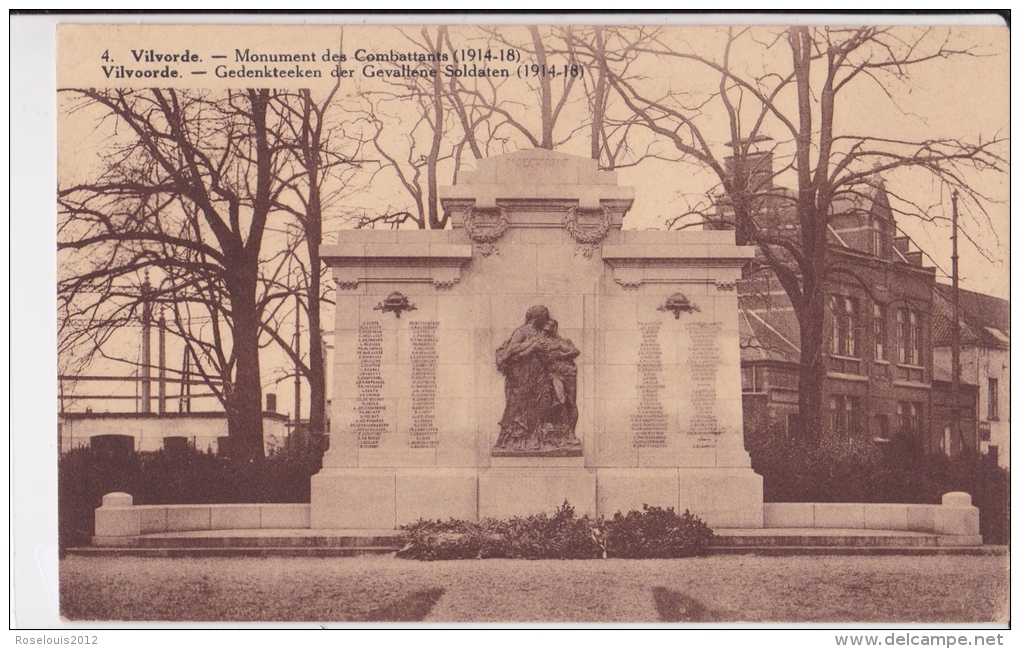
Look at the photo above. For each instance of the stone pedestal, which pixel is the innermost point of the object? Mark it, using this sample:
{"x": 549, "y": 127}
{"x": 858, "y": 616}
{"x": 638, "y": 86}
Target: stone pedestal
{"x": 623, "y": 490}
{"x": 388, "y": 498}
{"x": 722, "y": 497}
{"x": 521, "y": 491}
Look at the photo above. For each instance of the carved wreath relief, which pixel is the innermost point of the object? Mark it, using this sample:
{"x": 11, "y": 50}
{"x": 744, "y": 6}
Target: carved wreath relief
{"x": 486, "y": 238}
{"x": 541, "y": 390}
{"x": 588, "y": 237}
{"x": 395, "y": 302}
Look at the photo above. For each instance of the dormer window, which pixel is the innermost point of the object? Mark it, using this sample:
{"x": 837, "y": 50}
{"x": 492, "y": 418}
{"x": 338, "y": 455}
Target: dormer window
{"x": 879, "y": 238}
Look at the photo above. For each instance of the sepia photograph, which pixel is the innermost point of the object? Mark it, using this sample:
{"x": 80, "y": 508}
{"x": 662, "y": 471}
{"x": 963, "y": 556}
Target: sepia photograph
{"x": 561, "y": 322}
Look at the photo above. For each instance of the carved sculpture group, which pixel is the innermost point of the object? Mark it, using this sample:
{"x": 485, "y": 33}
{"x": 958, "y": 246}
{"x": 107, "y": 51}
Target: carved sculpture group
{"x": 541, "y": 389}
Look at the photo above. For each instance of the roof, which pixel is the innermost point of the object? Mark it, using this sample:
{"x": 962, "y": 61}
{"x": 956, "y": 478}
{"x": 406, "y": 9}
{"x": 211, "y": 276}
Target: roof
{"x": 868, "y": 197}
{"x": 768, "y": 332}
{"x": 984, "y": 319}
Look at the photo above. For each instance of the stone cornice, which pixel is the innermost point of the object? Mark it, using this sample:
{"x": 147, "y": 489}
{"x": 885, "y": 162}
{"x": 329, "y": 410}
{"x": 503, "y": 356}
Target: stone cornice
{"x": 636, "y": 264}
{"x": 355, "y": 263}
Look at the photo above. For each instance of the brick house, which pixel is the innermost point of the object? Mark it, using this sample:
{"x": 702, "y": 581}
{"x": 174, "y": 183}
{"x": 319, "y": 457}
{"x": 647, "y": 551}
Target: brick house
{"x": 878, "y": 322}
{"x": 984, "y": 360}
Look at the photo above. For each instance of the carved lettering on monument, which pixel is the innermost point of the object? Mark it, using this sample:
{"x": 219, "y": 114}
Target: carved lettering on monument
{"x": 650, "y": 422}
{"x": 535, "y": 164}
{"x": 702, "y": 365}
{"x": 423, "y": 433}
{"x": 369, "y": 425}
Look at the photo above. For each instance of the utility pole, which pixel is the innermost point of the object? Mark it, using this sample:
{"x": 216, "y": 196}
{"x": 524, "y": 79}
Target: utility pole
{"x": 955, "y": 390}
{"x": 146, "y": 351}
{"x": 161, "y": 403}
{"x": 184, "y": 403}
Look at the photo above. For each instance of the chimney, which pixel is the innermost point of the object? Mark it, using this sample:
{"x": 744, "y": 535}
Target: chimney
{"x": 756, "y": 166}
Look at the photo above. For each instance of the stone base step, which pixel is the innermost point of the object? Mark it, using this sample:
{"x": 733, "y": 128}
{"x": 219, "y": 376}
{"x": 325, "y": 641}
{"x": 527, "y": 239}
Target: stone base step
{"x": 254, "y": 552}
{"x": 831, "y": 550}
{"x": 352, "y": 543}
{"x": 207, "y": 552}
{"x": 257, "y": 542}
{"x": 258, "y": 538}
{"x": 836, "y": 538}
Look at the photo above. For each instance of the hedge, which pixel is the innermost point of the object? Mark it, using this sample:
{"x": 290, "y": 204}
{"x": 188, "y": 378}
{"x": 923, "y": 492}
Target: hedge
{"x": 183, "y": 477}
{"x": 898, "y": 472}
{"x": 651, "y": 533}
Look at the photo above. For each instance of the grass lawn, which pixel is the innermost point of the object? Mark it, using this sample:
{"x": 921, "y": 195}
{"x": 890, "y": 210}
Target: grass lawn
{"x": 949, "y": 589}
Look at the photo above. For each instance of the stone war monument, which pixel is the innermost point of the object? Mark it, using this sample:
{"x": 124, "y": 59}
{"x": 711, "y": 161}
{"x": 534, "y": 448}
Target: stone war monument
{"x": 534, "y": 353}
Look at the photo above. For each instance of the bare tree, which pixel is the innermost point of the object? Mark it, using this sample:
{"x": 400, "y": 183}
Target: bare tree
{"x": 186, "y": 186}
{"x": 793, "y": 89}
{"x": 326, "y": 155}
{"x": 411, "y": 130}
{"x": 427, "y": 126}
{"x": 552, "y": 77}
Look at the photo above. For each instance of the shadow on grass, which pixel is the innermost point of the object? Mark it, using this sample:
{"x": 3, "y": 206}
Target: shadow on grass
{"x": 412, "y": 608}
{"x": 674, "y": 606}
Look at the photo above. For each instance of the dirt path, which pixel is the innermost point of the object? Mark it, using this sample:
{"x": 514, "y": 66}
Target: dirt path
{"x": 711, "y": 589}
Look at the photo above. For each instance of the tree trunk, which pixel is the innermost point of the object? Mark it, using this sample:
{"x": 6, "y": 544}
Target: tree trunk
{"x": 599, "y": 99}
{"x": 244, "y": 402}
{"x": 811, "y": 318}
{"x": 432, "y": 171}
{"x": 316, "y": 365}
{"x": 545, "y": 90}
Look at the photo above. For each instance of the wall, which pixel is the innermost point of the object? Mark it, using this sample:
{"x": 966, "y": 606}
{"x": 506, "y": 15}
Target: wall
{"x": 942, "y": 414}
{"x": 955, "y": 517}
{"x": 202, "y": 429}
{"x": 977, "y": 365}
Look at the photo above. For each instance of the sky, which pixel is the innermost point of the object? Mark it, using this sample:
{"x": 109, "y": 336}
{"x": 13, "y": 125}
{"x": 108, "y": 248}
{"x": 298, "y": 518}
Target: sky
{"x": 964, "y": 97}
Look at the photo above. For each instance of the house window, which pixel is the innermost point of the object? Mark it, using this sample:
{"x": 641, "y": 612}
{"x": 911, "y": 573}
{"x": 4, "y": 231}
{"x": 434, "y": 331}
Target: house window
{"x": 882, "y": 427}
{"x": 844, "y": 325}
{"x": 916, "y": 414}
{"x": 910, "y": 414}
{"x": 844, "y": 415}
{"x": 753, "y": 378}
{"x": 901, "y": 335}
{"x": 850, "y": 322}
{"x": 853, "y": 414}
{"x": 993, "y": 399}
{"x": 908, "y": 333}
{"x": 915, "y": 338}
{"x": 836, "y": 328}
{"x": 837, "y": 414}
{"x": 878, "y": 331}
{"x": 793, "y": 425}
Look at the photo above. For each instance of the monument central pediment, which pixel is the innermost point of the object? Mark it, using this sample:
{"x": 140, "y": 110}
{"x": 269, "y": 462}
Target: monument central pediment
{"x": 525, "y": 177}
